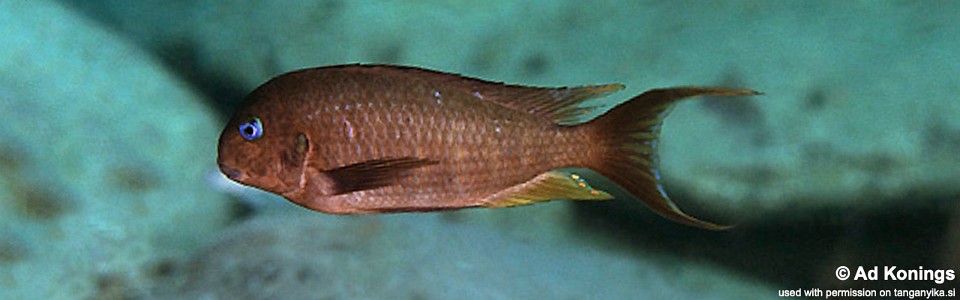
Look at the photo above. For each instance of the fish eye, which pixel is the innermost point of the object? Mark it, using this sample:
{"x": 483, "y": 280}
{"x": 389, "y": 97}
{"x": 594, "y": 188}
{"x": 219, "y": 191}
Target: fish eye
{"x": 251, "y": 129}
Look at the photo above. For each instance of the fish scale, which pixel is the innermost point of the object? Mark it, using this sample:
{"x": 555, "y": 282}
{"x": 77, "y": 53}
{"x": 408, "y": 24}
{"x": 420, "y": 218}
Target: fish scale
{"x": 360, "y": 139}
{"x": 470, "y": 167}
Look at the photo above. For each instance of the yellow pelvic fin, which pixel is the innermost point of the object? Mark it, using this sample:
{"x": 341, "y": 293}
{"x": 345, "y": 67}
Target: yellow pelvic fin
{"x": 545, "y": 187}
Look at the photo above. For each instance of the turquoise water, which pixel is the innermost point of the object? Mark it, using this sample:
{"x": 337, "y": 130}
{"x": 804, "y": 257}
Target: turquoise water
{"x": 109, "y": 187}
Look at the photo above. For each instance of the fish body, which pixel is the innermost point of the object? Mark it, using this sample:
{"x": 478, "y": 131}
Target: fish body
{"x": 358, "y": 139}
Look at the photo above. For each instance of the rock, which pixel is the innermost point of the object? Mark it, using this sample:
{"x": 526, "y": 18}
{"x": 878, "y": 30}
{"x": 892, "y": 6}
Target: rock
{"x": 303, "y": 255}
{"x": 854, "y": 136}
{"x": 834, "y": 129}
{"x": 102, "y": 158}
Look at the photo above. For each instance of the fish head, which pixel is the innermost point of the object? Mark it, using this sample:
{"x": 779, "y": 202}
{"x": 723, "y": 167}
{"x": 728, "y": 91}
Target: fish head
{"x": 260, "y": 148}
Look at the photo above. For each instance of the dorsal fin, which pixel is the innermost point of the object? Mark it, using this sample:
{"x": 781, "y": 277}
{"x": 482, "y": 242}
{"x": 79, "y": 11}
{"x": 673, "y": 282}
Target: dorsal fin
{"x": 560, "y": 105}
{"x": 545, "y": 187}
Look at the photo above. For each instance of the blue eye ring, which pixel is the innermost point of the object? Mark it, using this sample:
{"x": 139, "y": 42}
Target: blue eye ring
{"x": 252, "y": 129}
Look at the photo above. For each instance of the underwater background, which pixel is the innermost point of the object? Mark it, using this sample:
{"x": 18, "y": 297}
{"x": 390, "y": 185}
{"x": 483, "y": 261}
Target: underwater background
{"x": 111, "y": 110}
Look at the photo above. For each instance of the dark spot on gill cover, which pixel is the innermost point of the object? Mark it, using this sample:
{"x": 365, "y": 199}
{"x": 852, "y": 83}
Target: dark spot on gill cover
{"x": 293, "y": 155}
{"x": 289, "y": 157}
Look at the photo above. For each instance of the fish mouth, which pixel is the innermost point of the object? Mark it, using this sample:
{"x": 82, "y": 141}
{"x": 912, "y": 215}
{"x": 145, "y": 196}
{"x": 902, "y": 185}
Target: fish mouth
{"x": 231, "y": 173}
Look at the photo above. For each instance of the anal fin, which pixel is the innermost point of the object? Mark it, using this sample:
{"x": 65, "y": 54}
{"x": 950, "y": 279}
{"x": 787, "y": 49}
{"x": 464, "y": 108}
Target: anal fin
{"x": 373, "y": 174}
{"x": 545, "y": 187}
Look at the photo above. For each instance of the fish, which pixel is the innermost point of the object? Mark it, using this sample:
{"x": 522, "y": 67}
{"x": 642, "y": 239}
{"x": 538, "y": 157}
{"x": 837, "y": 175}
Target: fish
{"x": 370, "y": 138}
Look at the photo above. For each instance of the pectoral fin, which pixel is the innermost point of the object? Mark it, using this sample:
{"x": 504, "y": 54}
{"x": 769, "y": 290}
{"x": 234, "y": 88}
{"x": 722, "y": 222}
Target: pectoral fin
{"x": 373, "y": 174}
{"x": 545, "y": 187}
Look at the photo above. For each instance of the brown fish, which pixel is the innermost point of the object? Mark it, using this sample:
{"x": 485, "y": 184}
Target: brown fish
{"x": 360, "y": 139}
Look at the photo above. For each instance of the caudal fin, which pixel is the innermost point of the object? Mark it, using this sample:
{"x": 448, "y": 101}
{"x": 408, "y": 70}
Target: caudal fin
{"x": 631, "y": 131}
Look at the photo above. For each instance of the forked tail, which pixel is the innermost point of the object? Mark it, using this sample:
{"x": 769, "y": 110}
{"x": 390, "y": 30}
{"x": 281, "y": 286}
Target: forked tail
{"x": 631, "y": 131}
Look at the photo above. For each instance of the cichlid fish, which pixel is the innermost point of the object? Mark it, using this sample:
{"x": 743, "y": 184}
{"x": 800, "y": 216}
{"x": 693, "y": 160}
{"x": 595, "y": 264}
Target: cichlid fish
{"x": 361, "y": 139}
